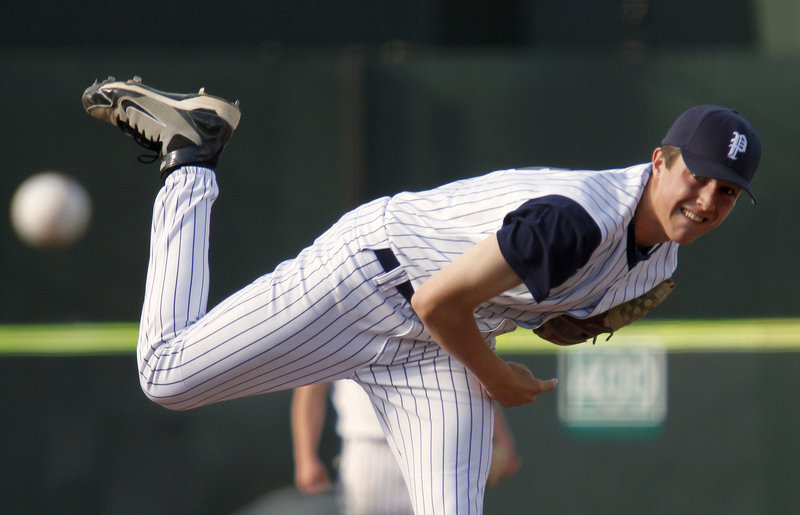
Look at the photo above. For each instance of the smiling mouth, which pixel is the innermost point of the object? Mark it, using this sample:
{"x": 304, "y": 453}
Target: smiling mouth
{"x": 691, "y": 216}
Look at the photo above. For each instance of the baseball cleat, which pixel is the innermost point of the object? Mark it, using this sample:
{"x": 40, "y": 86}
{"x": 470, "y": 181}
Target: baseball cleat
{"x": 181, "y": 129}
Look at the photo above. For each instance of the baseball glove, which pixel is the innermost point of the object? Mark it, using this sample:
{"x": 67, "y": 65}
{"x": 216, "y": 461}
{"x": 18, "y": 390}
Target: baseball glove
{"x": 568, "y": 330}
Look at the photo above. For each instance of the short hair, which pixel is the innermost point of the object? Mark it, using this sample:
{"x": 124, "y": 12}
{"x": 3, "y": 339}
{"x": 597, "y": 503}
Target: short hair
{"x": 670, "y": 154}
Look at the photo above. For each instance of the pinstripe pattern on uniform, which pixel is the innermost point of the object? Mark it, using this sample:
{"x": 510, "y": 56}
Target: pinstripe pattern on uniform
{"x": 192, "y": 213}
{"x": 471, "y": 209}
{"x": 315, "y": 318}
{"x": 438, "y": 421}
{"x": 370, "y": 479}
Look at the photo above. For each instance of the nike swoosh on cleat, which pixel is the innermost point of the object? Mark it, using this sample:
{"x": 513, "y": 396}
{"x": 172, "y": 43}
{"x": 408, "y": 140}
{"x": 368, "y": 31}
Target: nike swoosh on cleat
{"x": 126, "y": 104}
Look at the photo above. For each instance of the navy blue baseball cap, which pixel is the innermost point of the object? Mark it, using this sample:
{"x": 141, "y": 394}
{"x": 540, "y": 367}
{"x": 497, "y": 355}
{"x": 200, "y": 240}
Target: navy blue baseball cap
{"x": 718, "y": 143}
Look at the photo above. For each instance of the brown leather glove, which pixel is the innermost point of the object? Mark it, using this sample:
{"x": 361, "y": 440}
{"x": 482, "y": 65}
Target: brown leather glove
{"x": 568, "y": 330}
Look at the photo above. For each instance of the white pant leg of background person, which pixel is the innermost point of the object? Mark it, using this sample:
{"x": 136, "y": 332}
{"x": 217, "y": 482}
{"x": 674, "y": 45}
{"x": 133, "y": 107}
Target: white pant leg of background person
{"x": 370, "y": 480}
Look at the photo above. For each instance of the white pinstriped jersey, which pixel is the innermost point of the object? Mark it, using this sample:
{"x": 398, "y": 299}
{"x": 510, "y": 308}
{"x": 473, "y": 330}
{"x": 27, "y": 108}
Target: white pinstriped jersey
{"x": 429, "y": 229}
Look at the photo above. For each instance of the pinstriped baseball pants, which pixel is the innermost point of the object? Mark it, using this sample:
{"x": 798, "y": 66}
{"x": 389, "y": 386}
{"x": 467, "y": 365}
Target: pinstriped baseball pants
{"x": 330, "y": 313}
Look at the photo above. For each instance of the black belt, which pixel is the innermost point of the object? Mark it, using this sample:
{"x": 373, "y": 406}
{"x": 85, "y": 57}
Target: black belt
{"x": 389, "y": 262}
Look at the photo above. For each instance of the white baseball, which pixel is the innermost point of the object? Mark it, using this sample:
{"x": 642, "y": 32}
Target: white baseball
{"x": 49, "y": 210}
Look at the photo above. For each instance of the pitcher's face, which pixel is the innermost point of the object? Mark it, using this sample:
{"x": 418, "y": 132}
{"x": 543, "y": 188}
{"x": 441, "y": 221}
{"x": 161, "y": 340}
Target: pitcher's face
{"x": 688, "y": 206}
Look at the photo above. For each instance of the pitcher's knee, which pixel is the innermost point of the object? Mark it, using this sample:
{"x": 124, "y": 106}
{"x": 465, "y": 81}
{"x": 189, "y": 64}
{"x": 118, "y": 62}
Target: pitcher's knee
{"x": 174, "y": 396}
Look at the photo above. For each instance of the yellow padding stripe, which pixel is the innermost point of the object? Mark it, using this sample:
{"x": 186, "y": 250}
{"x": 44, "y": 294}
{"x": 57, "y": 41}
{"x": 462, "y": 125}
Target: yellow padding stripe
{"x": 62, "y": 339}
{"x": 735, "y": 335}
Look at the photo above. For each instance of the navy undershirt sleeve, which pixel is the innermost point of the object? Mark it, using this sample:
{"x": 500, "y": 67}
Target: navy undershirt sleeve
{"x": 546, "y": 240}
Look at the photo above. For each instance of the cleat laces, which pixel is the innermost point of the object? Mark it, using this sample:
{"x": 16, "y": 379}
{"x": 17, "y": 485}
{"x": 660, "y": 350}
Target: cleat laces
{"x": 141, "y": 139}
